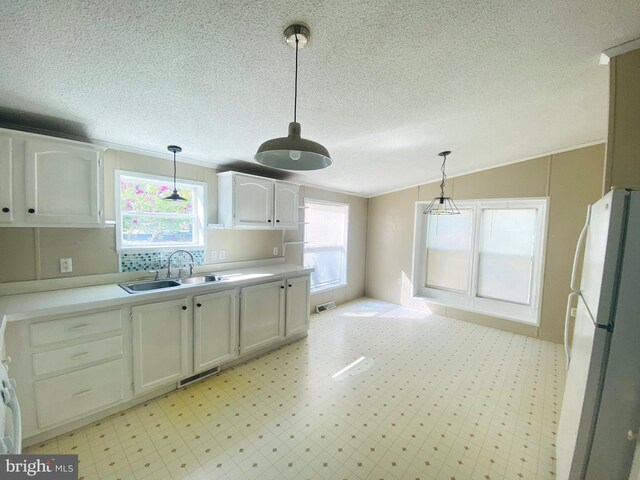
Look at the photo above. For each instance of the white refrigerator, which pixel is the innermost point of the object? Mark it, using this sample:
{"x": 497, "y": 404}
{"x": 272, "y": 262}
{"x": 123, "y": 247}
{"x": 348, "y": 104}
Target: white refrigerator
{"x": 601, "y": 403}
{"x": 10, "y": 420}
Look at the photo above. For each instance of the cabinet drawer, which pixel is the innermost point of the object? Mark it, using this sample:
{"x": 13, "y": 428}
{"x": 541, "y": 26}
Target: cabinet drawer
{"x": 76, "y": 355}
{"x": 53, "y": 331}
{"x": 74, "y": 394}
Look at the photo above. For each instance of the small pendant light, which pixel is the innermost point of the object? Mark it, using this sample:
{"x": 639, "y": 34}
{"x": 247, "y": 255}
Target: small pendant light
{"x": 442, "y": 205}
{"x": 174, "y": 196}
{"x": 294, "y": 152}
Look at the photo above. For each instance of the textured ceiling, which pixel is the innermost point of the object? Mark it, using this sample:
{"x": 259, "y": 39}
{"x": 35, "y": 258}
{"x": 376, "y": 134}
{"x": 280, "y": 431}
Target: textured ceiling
{"x": 384, "y": 85}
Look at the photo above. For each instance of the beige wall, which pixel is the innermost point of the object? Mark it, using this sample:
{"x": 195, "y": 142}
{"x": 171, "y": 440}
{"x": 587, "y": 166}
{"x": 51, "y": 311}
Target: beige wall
{"x": 356, "y": 246}
{"x": 623, "y": 146}
{"x": 572, "y": 180}
{"x": 34, "y": 253}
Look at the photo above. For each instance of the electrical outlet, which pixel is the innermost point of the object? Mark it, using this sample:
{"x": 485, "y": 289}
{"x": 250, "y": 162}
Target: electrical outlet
{"x": 66, "y": 266}
{"x": 275, "y": 250}
{"x": 222, "y": 254}
{"x": 574, "y": 312}
{"x": 213, "y": 255}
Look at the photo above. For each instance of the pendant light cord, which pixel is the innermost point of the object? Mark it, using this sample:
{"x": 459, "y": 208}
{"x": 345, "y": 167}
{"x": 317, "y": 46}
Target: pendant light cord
{"x": 295, "y": 95}
{"x": 174, "y": 172}
{"x": 444, "y": 176}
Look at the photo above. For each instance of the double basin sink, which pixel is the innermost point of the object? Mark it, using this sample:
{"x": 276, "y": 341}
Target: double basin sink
{"x": 150, "y": 285}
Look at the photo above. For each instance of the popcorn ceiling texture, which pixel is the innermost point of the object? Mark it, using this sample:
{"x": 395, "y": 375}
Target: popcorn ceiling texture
{"x": 384, "y": 85}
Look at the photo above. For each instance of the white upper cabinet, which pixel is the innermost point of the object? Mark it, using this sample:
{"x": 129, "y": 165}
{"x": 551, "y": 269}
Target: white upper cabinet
{"x": 248, "y": 201}
{"x": 47, "y": 181}
{"x": 6, "y": 168}
{"x": 286, "y": 205}
{"x": 62, "y": 183}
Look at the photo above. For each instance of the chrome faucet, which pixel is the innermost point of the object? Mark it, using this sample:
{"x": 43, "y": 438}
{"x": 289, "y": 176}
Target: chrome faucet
{"x": 191, "y": 264}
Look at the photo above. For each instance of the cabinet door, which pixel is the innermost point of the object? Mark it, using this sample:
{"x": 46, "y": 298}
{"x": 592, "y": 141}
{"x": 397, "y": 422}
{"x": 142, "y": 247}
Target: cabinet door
{"x": 159, "y": 344}
{"x": 261, "y": 315}
{"x": 62, "y": 183}
{"x": 215, "y": 329}
{"x": 286, "y": 205}
{"x": 297, "y": 306}
{"x": 252, "y": 202}
{"x": 6, "y": 171}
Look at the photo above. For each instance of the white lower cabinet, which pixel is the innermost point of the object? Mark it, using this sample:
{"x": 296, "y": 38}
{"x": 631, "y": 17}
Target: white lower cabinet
{"x": 215, "y": 326}
{"x": 160, "y": 344}
{"x": 261, "y": 315}
{"x": 74, "y": 366}
{"x": 68, "y": 366}
{"x": 76, "y": 393}
{"x": 297, "y": 305}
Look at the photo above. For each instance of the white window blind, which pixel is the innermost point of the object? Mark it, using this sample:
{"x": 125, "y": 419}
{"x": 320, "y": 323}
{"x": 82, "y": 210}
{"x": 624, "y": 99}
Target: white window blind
{"x": 449, "y": 251}
{"x": 506, "y": 254}
{"x": 325, "y": 247}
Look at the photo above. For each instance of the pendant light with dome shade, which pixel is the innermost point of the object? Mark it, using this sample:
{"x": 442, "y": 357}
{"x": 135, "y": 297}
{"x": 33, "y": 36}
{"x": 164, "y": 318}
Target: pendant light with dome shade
{"x": 294, "y": 152}
{"x": 174, "y": 196}
{"x": 442, "y": 205}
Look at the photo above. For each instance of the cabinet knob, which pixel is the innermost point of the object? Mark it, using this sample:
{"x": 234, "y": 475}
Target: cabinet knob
{"x": 32, "y": 210}
{"x": 277, "y": 221}
{"x": 6, "y": 210}
{"x": 198, "y": 305}
{"x": 184, "y": 307}
{"x": 289, "y": 285}
{"x": 282, "y": 286}
{"x": 269, "y": 220}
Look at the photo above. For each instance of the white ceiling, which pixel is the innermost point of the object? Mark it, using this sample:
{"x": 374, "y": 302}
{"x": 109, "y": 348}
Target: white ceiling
{"x": 384, "y": 85}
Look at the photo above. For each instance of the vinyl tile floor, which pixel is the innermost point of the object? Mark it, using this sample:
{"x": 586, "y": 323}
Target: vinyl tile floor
{"x": 429, "y": 398}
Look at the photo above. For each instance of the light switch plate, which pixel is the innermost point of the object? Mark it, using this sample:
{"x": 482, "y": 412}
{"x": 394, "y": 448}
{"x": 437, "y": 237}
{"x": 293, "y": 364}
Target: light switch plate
{"x": 275, "y": 250}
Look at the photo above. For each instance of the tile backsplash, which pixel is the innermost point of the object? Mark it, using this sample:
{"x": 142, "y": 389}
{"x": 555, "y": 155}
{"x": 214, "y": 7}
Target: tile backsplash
{"x": 142, "y": 262}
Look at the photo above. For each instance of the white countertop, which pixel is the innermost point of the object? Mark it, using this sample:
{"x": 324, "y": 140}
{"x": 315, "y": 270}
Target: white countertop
{"x": 32, "y": 305}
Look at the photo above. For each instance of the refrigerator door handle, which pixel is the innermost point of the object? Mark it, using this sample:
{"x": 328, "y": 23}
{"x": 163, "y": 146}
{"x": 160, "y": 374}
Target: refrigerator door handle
{"x": 576, "y": 256}
{"x": 567, "y": 319}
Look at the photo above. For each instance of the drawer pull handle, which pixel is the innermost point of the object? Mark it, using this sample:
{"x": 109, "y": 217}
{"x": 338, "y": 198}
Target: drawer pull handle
{"x": 79, "y": 327}
{"x": 79, "y": 355}
{"x": 82, "y": 393}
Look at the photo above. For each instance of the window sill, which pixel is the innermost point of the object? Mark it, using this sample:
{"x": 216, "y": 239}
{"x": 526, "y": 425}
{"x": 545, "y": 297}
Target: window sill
{"x": 513, "y": 313}
{"x": 170, "y": 248}
{"x": 327, "y": 288}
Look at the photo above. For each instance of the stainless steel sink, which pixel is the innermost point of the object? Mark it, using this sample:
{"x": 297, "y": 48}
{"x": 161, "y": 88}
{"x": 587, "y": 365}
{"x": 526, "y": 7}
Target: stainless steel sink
{"x": 199, "y": 279}
{"x": 136, "y": 287}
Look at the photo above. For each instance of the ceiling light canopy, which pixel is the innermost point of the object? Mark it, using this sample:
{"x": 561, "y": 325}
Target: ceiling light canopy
{"x": 294, "y": 152}
{"x": 442, "y": 205}
{"x": 174, "y": 196}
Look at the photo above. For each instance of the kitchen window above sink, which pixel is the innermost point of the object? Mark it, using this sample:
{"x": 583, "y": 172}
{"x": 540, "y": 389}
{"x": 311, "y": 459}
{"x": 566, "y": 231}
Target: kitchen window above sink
{"x": 145, "y": 221}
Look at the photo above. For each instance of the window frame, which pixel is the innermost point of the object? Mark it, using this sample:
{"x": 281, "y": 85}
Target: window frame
{"x": 528, "y": 314}
{"x": 343, "y": 280}
{"x": 199, "y": 207}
